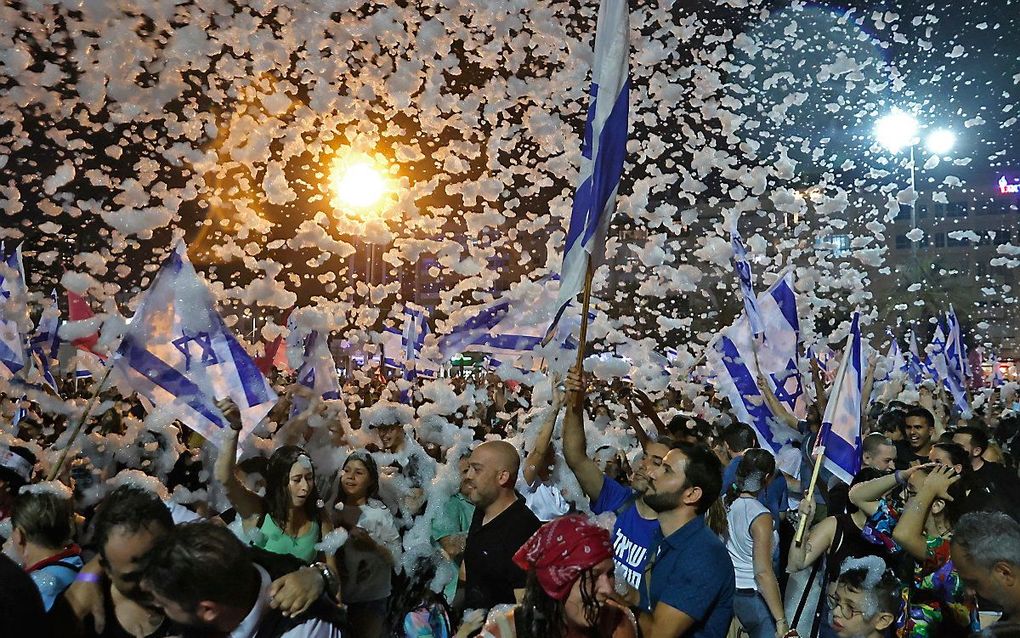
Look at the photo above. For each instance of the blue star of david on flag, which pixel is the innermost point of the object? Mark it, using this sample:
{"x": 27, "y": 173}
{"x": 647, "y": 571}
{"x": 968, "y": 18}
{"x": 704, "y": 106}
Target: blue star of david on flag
{"x": 204, "y": 341}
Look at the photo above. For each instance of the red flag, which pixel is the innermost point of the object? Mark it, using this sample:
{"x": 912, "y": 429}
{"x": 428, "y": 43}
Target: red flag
{"x": 275, "y": 354}
{"x": 78, "y": 309}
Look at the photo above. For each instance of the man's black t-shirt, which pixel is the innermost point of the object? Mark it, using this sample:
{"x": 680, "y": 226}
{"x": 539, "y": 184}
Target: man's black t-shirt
{"x": 905, "y": 457}
{"x": 489, "y": 568}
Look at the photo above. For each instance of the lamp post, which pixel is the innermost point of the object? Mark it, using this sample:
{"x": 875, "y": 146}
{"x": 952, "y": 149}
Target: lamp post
{"x": 899, "y": 130}
{"x": 360, "y": 185}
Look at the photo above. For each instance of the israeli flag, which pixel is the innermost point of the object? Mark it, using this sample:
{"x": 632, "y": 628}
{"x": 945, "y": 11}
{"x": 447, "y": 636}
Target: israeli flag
{"x": 46, "y": 342}
{"x": 935, "y": 359}
{"x": 318, "y": 368}
{"x": 513, "y": 325}
{"x": 915, "y": 368}
{"x": 13, "y": 355}
{"x": 956, "y": 374}
{"x": 177, "y": 352}
{"x": 603, "y": 151}
{"x": 744, "y": 276}
{"x": 731, "y": 357}
{"x": 839, "y": 439}
{"x": 893, "y": 358}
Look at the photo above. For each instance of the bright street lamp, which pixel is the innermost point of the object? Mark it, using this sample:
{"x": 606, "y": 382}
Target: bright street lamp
{"x": 940, "y": 141}
{"x": 358, "y": 183}
{"x": 896, "y": 131}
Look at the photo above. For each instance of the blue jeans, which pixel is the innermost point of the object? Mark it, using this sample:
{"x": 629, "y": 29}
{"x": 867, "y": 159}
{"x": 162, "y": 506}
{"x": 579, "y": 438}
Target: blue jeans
{"x": 754, "y": 615}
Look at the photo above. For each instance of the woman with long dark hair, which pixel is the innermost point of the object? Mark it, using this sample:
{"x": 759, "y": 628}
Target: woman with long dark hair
{"x": 372, "y": 549}
{"x": 288, "y": 519}
{"x": 758, "y": 603}
{"x": 570, "y": 585}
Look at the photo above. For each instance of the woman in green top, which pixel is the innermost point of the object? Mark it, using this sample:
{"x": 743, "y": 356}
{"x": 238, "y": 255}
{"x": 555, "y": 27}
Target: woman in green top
{"x": 288, "y": 519}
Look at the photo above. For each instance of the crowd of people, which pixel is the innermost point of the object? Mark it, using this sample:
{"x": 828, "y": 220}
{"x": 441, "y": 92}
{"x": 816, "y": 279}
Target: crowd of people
{"x": 577, "y": 509}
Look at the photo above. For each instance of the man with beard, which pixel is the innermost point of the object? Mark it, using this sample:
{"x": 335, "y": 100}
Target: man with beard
{"x": 692, "y": 584}
{"x": 203, "y": 578}
{"x": 636, "y": 523}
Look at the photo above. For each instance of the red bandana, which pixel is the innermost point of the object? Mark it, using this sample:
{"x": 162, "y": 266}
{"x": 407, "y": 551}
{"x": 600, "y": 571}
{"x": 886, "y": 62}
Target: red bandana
{"x": 561, "y": 549}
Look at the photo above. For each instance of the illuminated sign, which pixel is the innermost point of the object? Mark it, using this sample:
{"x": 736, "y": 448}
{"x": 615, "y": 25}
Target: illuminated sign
{"x": 1009, "y": 188}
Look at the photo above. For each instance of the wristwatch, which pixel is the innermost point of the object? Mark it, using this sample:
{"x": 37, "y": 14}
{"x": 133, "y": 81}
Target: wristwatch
{"x": 329, "y": 580}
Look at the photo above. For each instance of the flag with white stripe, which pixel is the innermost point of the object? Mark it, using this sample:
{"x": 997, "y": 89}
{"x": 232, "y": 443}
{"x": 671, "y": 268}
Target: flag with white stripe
{"x": 743, "y": 268}
{"x": 839, "y": 439}
{"x": 13, "y": 354}
{"x": 956, "y": 368}
{"x": 178, "y": 353}
{"x": 318, "y": 368}
{"x": 731, "y": 356}
{"x": 603, "y": 151}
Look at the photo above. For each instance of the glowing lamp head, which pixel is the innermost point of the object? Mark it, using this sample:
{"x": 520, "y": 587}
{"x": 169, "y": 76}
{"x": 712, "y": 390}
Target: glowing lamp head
{"x": 896, "y": 131}
{"x": 358, "y": 183}
{"x": 941, "y": 141}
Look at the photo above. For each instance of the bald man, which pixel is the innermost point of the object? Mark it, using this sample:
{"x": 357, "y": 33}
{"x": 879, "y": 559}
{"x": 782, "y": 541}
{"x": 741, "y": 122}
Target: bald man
{"x": 501, "y": 524}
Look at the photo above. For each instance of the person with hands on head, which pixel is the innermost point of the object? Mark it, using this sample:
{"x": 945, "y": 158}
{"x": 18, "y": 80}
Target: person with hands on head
{"x": 939, "y": 601}
{"x": 636, "y": 523}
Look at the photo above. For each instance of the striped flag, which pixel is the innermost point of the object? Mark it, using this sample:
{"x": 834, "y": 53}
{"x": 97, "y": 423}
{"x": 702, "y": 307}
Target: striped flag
{"x": 839, "y": 439}
{"x": 744, "y": 277}
{"x": 13, "y": 355}
{"x": 603, "y": 151}
{"x": 177, "y": 353}
{"x": 956, "y": 367}
{"x": 731, "y": 357}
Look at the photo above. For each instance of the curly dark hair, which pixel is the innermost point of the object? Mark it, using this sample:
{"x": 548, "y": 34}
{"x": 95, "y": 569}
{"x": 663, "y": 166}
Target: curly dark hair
{"x": 277, "y": 498}
{"x": 542, "y": 616}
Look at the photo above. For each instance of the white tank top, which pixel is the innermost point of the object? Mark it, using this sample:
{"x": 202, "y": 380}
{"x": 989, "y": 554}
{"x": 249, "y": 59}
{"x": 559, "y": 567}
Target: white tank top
{"x": 739, "y": 544}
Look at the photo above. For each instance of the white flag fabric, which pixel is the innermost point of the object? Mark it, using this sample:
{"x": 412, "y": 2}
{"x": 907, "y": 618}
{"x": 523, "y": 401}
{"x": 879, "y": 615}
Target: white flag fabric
{"x": 743, "y": 268}
{"x": 178, "y": 353}
{"x": 731, "y": 357}
{"x": 603, "y": 151}
{"x": 840, "y": 436}
{"x": 13, "y": 352}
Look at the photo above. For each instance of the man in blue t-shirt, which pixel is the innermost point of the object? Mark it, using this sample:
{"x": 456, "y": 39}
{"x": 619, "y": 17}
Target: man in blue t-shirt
{"x": 636, "y": 524}
{"x": 692, "y": 583}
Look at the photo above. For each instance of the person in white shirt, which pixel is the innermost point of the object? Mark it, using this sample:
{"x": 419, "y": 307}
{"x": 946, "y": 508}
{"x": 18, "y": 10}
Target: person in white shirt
{"x": 203, "y": 578}
{"x": 540, "y": 492}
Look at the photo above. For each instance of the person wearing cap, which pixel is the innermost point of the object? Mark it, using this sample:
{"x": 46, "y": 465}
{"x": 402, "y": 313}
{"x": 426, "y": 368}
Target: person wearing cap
{"x": 570, "y": 586}
{"x": 15, "y": 471}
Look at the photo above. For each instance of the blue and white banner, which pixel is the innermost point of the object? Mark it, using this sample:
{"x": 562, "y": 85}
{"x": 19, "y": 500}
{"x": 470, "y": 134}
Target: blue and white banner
{"x": 893, "y": 360}
{"x": 603, "y": 151}
{"x": 13, "y": 351}
{"x": 46, "y": 342}
{"x": 956, "y": 366}
{"x": 840, "y": 436}
{"x": 318, "y": 368}
{"x": 514, "y": 325}
{"x": 997, "y": 378}
{"x": 935, "y": 357}
{"x": 179, "y": 355}
{"x": 746, "y": 283}
{"x": 915, "y": 367}
{"x": 731, "y": 357}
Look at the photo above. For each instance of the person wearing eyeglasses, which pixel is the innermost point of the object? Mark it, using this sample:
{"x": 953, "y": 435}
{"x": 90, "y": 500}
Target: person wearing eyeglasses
{"x": 866, "y": 600}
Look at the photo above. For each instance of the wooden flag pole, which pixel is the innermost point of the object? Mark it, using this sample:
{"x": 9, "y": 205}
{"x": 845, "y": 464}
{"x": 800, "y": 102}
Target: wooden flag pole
{"x": 582, "y": 339}
{"x": 810, "y": 494}
{"x": 55, "y": 471}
